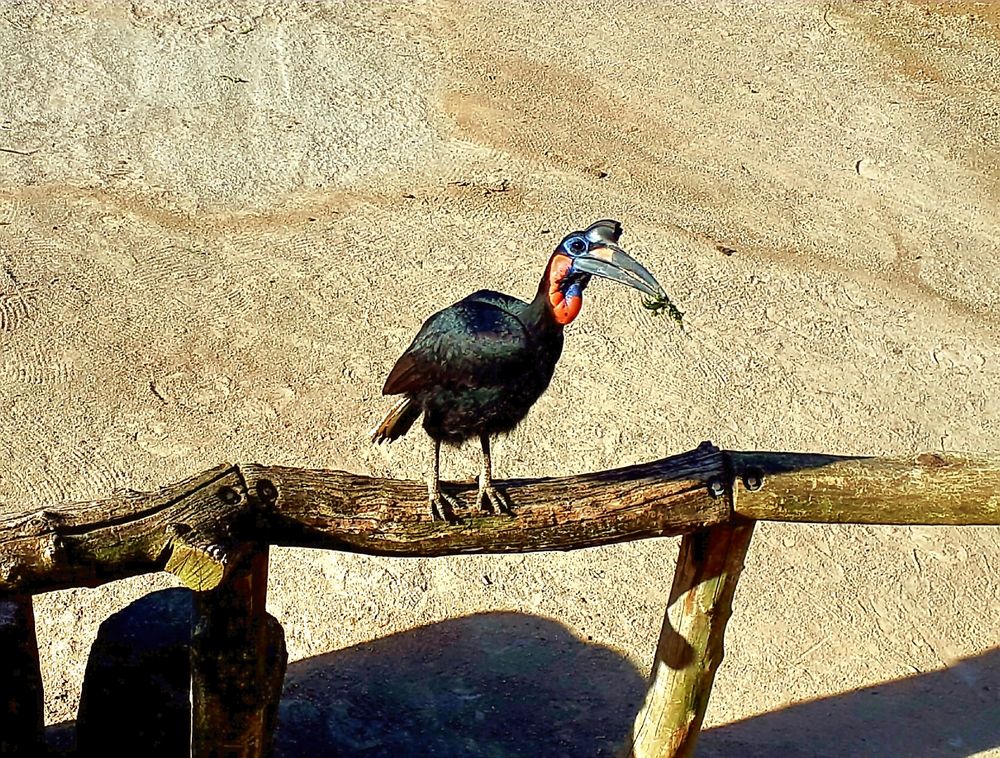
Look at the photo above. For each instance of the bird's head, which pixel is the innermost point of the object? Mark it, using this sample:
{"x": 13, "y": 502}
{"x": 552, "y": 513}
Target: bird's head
{"x": 591, "y": 252}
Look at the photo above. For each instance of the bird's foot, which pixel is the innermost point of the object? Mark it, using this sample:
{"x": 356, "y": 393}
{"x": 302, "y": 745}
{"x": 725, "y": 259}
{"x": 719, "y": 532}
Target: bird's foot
{"x": 443, "y": 507}
{"x": 492, "y": 500}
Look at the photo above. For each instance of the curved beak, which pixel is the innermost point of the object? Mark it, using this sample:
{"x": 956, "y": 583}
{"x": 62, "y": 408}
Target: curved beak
{"x": 611, "y": 262}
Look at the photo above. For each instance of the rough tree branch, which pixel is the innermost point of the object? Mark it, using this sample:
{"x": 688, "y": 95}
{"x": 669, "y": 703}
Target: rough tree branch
{"x": 192, "y": 528}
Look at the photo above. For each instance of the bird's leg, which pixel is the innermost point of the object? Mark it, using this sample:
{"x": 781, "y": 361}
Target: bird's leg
{"x": 442, "y": 505}
{"x": 489, "y": 498}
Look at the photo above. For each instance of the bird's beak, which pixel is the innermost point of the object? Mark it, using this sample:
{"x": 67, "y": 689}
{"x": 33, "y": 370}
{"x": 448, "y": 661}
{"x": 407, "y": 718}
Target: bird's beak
{"x": 611, "y": 262}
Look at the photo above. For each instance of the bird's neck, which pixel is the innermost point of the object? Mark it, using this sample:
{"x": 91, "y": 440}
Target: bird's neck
{"x": 555, "y": 306}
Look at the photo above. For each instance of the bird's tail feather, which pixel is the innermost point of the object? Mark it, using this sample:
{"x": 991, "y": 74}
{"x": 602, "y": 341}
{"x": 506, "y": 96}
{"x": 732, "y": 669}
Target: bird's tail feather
{"x": 397, "y": 421}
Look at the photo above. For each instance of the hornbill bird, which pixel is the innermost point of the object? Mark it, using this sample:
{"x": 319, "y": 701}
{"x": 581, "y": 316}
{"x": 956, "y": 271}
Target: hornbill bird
{"x": 477, "y": 367}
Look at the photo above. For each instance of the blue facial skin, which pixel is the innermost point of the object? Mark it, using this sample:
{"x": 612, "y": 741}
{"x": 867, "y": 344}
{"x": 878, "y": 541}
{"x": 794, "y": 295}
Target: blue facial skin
{"x": 573, "y": 285}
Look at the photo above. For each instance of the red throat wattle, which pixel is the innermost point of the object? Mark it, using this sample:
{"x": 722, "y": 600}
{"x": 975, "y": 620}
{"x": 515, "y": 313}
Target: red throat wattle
{"x": 565, "y": 307}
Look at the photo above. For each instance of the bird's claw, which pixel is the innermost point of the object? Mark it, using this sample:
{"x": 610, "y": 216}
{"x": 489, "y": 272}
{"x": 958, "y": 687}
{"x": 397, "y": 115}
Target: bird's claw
{"x": 492, "y": 500}
{"x": 443, "y": 507}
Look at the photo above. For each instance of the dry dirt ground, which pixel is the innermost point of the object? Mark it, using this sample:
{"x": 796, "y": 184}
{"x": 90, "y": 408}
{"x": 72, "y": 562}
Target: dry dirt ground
{"x": 221, "y": 222}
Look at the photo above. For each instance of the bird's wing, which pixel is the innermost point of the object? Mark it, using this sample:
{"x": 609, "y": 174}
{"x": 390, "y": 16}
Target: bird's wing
{"x": 473, "y": 343}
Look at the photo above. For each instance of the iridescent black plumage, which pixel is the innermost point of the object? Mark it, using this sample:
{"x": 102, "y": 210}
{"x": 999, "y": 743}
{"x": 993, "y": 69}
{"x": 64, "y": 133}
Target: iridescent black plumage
{"x": 476, "y": 367}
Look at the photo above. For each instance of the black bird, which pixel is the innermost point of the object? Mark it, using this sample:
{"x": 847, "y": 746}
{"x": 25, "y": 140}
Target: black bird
{"x": 477, "y": 367}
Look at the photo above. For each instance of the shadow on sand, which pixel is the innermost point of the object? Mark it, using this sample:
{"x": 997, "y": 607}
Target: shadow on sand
{"x": 494, "y": 684}
{"x": 508, "y": 684}
{"x": 951, "y": 712}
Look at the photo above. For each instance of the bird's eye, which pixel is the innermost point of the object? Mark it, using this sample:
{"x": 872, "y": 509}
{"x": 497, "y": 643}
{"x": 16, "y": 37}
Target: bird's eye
{"x": 577, "y": 246}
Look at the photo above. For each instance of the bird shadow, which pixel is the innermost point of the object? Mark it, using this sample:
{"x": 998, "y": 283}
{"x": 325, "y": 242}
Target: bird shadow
{"x": 680, "y": 466}
{"x": 492, "y": 684}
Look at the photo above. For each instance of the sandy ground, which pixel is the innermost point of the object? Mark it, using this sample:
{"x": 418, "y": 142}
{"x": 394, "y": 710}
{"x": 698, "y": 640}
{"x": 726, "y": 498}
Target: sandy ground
{"x": 220, "y": 223}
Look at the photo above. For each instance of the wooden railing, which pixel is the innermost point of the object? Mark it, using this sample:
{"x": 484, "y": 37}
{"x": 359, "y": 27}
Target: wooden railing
{"x": 213, "y": 532}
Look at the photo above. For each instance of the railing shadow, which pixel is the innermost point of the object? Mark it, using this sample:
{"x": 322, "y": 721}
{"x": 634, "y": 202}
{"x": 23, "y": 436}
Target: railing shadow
{"x": 499, "y": 685}
{"x": 509, "y": 684}
{"x": 951, "y": 712}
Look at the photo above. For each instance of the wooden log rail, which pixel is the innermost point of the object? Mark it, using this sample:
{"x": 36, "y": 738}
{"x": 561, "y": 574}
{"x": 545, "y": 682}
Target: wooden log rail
{"x": 206, "y": 529}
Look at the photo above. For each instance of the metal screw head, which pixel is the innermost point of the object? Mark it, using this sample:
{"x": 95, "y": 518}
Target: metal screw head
{"x": 753, "y": 479}
{"x": 266, "y": 491}
{"x": 716, "y": 487}
{"x": 229, "y": 496}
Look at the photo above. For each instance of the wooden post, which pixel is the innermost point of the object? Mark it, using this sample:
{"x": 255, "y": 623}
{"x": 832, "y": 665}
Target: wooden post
{"x": 691, "y": 641}
{"x": 238, "y": 663}
{"x": 21, "y": 699}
